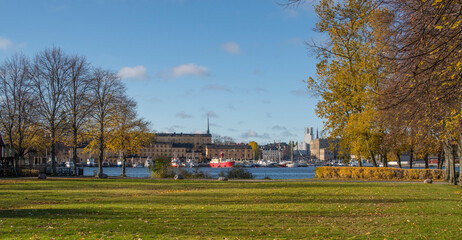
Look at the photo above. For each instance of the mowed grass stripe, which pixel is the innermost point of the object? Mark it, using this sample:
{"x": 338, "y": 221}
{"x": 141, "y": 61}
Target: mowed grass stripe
{"x": 166, "y": 209}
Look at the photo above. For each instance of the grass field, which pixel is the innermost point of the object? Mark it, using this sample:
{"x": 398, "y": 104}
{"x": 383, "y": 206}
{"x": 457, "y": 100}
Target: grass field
{"x": 168, "y": 209}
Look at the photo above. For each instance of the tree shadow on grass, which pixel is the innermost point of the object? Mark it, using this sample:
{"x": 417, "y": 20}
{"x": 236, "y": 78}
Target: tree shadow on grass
{"x": 219, "y": 212}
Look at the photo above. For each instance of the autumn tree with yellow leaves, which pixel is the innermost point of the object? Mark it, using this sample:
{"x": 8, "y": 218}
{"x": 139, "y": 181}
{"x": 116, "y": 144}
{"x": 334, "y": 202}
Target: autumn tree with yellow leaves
{"x": 129, "y": 133}
{"x": 425, "y": 88}
{"x": 389, "y": 77}
{"x": 348, "y": 75}
{"x": 256, "y": 152}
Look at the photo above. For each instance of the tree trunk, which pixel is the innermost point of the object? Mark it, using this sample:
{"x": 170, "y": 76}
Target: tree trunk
{"x": 459, "y": 154}
{"x": 74, "y": 149}
{"x": 15, "y": 157}
{"x": 452, "y": 168}
{"x": 440, "y": 160}
{"x": 374, "y": 163}
{"x": 385, "y": 160}
{"x": 124, "y": 165}
{"x": 446, "y": 160}
{"x": 53, "y": 152}
{"x": 449, "y": 155}
{"x": 411, "y": 158}
{"x": 101, "y": 153}
{"x": 426, "y": 160}
{"x": 399, "y": 160}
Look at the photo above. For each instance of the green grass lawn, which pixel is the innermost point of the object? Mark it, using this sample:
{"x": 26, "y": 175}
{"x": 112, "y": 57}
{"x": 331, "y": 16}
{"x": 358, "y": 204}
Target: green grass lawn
{"x": 168, "y": 209}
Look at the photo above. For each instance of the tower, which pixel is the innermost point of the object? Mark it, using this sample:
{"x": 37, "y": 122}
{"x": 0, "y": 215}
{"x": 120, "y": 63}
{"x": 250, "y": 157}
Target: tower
{"x": 308, "y": 135}
{"x": 208, "y": 130}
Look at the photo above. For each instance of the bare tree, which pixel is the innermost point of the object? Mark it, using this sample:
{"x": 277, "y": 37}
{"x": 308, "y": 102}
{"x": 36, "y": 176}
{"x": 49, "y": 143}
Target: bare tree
{"x": 223, "y": 140}
{"x": 17, "y": 112}
{"x": 78, "y": 103}
{"x": 106, "y": 91}
{"x": 51, "y": 74}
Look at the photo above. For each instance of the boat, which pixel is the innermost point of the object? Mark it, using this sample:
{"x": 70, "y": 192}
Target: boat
{"x": 119, "y": 163}
{"x": 148, "y": 163}
{"x": 175, "y": 162}
{"x": 191, "y": 163}
{"x": 90, "y": 162}
{"x": 292, "y": 164}
{"x": 69, "y": 164}
{"x": 221, "y": 162}
{"x": 137, "y": 165}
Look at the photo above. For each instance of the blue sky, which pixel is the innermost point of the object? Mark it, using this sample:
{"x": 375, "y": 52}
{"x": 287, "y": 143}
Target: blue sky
{"x": 241, "y": 62}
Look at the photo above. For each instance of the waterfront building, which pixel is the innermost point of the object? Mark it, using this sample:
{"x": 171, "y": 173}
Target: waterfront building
{"x": 324, "y": 149}
{"x": 197, "y": 140}
{"x": 237, "y": 152}
{"x": 275, "y": 151}
{"x": 303, "y": 148}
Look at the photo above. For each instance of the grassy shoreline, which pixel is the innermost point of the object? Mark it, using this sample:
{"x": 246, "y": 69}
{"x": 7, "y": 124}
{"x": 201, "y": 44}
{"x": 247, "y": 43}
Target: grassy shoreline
{"x": 164, "y": 209}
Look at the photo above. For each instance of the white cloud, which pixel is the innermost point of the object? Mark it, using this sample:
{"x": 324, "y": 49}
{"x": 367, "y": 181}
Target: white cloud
{"x": 250, "y": 134}
{"x": 284, "y": 131}
{"x": 277, "y": 127}
{"x": 253, "y": 134}
{"x": 231, "y": 47}
{"x": 138, "y": 72}
{"x": 183, "y": 115}
{"x": 189, "y": 69}
{"x": 198, "y": 132}
{"x": 5, "y": 43}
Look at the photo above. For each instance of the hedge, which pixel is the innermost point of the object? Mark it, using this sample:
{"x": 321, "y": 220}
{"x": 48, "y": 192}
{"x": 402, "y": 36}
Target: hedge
{"x": 28, "y": 172}
{"x": 378, "y": 173}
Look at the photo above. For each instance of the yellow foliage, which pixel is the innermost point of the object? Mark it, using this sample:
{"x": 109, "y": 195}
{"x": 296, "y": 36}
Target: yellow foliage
{"x": 456, "y": 24}
{"x": 436, "y": 2}
{"x": 29, "y": 172}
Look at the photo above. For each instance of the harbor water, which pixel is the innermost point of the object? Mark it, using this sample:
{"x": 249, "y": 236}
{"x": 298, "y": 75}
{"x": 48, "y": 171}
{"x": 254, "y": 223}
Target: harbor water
{"x": 258, "y": 173}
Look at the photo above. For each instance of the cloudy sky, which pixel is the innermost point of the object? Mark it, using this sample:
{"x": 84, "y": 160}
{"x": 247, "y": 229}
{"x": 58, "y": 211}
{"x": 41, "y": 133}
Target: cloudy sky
{"x": 241, "y": 62}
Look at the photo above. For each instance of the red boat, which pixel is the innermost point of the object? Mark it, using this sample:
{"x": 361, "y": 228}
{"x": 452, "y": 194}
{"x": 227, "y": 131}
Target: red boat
{"x": 176, "y": 162}
{"x": 221, "y": 162}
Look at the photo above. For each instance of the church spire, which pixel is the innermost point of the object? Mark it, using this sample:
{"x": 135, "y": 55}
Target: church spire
{"x": 317, "y": 133}
{"x": 208, "y": 130}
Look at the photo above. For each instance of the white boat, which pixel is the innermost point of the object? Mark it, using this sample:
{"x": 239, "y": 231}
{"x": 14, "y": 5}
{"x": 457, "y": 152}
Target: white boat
{"x": 120, "y": 163}
{"x": 90, "y": 162}
{"x": 69, "y": 164}
{"x": 292, "y": 164}
{"x": 148, "y": 163}
{"x": 266, "y": 163}
{"x": 191, "y": 163}
{"x": 137, "y": 165}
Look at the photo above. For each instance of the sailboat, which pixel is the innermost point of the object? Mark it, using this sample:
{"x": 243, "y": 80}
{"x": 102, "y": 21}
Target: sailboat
{"x": 148, "y": 163}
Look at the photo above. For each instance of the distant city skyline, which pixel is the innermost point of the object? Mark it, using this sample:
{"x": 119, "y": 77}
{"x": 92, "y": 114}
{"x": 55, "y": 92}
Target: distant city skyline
{"x": 242, "y": 63}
